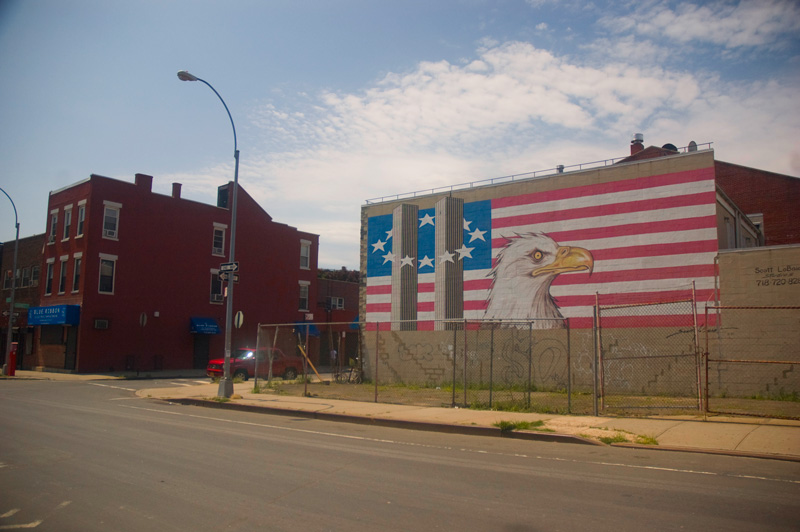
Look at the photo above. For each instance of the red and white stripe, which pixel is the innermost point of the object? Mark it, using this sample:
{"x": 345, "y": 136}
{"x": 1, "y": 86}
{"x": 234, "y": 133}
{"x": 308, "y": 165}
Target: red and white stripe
{"x": 651, "y": 237}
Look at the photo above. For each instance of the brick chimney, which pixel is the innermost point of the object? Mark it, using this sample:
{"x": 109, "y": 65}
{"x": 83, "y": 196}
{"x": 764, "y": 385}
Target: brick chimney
{"x": 637, "y": 144}
{"x": 176, "y": 190}
{"x": 145, "y": 181}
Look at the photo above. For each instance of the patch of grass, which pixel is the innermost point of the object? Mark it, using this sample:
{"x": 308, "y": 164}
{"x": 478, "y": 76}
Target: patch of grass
{"x": 779, "y": 396}
{"x": 616, "y": 438}
{"x": 642, "y": 439}
{"x": 220, "y": 399}
{"x": 508, "y": 426}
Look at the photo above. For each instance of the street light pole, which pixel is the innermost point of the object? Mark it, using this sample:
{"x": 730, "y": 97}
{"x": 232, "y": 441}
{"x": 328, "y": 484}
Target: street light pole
{"x": 226, "y": 383}
{"x": 13, "y": 280}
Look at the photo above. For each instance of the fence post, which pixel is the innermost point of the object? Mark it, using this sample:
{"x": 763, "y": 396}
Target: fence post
{"x": 569, "y": 371}
{"x": 258, "y": 337}
{"x": 377, "y": 344}
{"x": 465, "y": 362}
{"x": 306, "y": 361}
{"x": 697, "y": 358}
{"x": 491, "y": 364}
{"x": 530, "y": 363}
{"x": 455, "y": 340}
{"x": 596, "y": 335}
{"x": 706, "y": 357}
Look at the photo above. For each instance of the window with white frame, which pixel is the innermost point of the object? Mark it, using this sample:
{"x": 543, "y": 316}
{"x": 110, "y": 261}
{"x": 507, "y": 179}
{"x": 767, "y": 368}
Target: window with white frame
{"x": 304, "y": 287}
{"x": 51, "y": 238}
{"x": 48, "y": 287}
{"x": 67, "y": 222}
{"x": 108, "y": 267}
{"x": 76, "y": 273}
{"x": 111, "y": 219}
{"x": 35, "y": 275}
{"x": 305, "y": 254}
{"x": 26, "y": 277}
{"x": 216, "y": 295}
{"x": 62, "y": 279}
{"x": 81, "y": 217}
{"x": 335, "y": 303}
{"x": 9, "y": 275}
{"x": 218, "y": 240}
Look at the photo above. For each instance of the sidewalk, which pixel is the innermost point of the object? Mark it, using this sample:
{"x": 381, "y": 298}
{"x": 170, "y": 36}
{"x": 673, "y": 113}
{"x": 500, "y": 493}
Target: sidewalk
{"x": 740, "y": 436}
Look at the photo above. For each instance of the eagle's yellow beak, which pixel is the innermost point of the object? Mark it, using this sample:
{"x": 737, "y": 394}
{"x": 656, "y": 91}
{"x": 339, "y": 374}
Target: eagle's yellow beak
{"x": 568, "y": 259}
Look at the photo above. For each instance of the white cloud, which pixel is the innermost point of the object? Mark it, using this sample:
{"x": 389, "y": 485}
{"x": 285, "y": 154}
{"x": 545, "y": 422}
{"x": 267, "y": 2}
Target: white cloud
{"x": 514, "y": 108}
{"x": 748, "y": 23}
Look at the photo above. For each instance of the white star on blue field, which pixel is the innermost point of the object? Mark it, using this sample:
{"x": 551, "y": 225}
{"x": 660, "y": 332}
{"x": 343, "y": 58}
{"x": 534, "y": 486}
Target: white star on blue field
{"x": 475, "y": 252}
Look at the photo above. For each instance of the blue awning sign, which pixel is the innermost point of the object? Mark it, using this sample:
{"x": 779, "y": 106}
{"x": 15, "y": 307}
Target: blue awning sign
{"x": 204, "y": 326}
{"x": 300, "y": 327}
{"x": 55, "y": 315}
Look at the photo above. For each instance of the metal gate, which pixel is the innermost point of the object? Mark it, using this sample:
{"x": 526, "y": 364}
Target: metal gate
{"x": 654, "y": 366}
{"x": 753, "y": 361}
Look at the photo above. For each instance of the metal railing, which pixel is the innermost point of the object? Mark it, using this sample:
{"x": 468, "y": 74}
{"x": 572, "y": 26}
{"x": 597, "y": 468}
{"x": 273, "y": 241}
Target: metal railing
{"x": 537, "y": 174}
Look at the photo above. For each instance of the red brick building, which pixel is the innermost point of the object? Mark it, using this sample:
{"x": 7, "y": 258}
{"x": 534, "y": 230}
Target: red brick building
{"x": 129, "y": 278}
{"x": 771, "y": 201}
{"x": 26, "y": 294}
{"x": 337, "y": 317}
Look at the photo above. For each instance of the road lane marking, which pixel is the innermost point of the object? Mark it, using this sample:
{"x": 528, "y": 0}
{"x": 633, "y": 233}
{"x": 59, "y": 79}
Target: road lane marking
{"x": 9, "y": 513}
{"x": 115, "y": 387}
{"x": 466, "y": 450}
{"x": 21, "y": 526}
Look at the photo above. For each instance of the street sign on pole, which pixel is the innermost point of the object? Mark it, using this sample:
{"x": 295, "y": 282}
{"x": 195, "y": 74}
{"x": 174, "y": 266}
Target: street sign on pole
{"x": 226, "y": 276}
{"x": 229, "y": 267}
{"x": 238, "y": 320}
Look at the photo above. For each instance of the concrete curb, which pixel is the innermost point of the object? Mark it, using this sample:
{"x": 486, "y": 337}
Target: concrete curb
{"x": 723, "y": 452}
{"x": 394, "y": 423}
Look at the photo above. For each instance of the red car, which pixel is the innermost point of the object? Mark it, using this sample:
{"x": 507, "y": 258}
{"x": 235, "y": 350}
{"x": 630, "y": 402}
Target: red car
{"x": 243, "y": 364}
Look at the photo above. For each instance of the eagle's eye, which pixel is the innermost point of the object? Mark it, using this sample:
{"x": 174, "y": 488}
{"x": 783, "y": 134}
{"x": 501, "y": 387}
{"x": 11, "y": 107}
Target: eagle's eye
{"x": 537, "y": 256}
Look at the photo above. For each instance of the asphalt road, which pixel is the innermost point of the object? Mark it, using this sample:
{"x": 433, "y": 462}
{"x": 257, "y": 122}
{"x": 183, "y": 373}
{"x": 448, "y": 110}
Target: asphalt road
{"x": 90, "y": 456}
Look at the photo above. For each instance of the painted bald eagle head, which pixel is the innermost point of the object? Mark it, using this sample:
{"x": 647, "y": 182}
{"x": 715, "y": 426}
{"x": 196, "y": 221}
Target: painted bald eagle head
{"x": 523, "y": 272}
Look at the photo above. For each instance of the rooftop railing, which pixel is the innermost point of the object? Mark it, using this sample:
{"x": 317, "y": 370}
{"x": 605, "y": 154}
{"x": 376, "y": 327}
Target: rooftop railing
{"x": 520, "y": 177}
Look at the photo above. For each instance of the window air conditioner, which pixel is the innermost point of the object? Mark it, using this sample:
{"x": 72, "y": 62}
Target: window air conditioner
{"x": 51, "y": 239}
{"x": 109, "y": 233}
{"x": 101, "y": 324}
{"x": 217, "y": 251}
{"x": 216, "y": 298}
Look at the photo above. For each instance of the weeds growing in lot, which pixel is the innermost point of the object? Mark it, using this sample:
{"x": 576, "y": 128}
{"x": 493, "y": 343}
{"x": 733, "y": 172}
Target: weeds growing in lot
{"x": 616, "y": 438}
{"x": 646, "y": 440}
{"x": 508, "y": 426}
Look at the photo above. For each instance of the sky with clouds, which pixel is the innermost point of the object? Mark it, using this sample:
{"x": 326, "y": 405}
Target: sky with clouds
{"x": 339, "y": 102}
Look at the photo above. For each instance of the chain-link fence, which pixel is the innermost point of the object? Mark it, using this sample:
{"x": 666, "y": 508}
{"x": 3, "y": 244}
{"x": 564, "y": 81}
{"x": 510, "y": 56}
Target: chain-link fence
{"x": 653, "y": 368}
{"x": 547, "y": 366}
{"x": 481, "y": 364}
{"x": 753, "y": 361}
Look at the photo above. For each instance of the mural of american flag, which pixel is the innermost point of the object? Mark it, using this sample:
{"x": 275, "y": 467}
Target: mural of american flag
{"x": 651, "y": 238}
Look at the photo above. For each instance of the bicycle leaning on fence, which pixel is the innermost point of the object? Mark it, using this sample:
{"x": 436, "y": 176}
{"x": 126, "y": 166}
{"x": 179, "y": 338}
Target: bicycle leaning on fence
{"x": 349, "y": 375}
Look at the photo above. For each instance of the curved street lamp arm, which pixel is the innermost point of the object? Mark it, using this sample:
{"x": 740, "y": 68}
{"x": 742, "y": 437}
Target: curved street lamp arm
{"x": 16, "y": 219}
{"x": 235, "y": 145}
